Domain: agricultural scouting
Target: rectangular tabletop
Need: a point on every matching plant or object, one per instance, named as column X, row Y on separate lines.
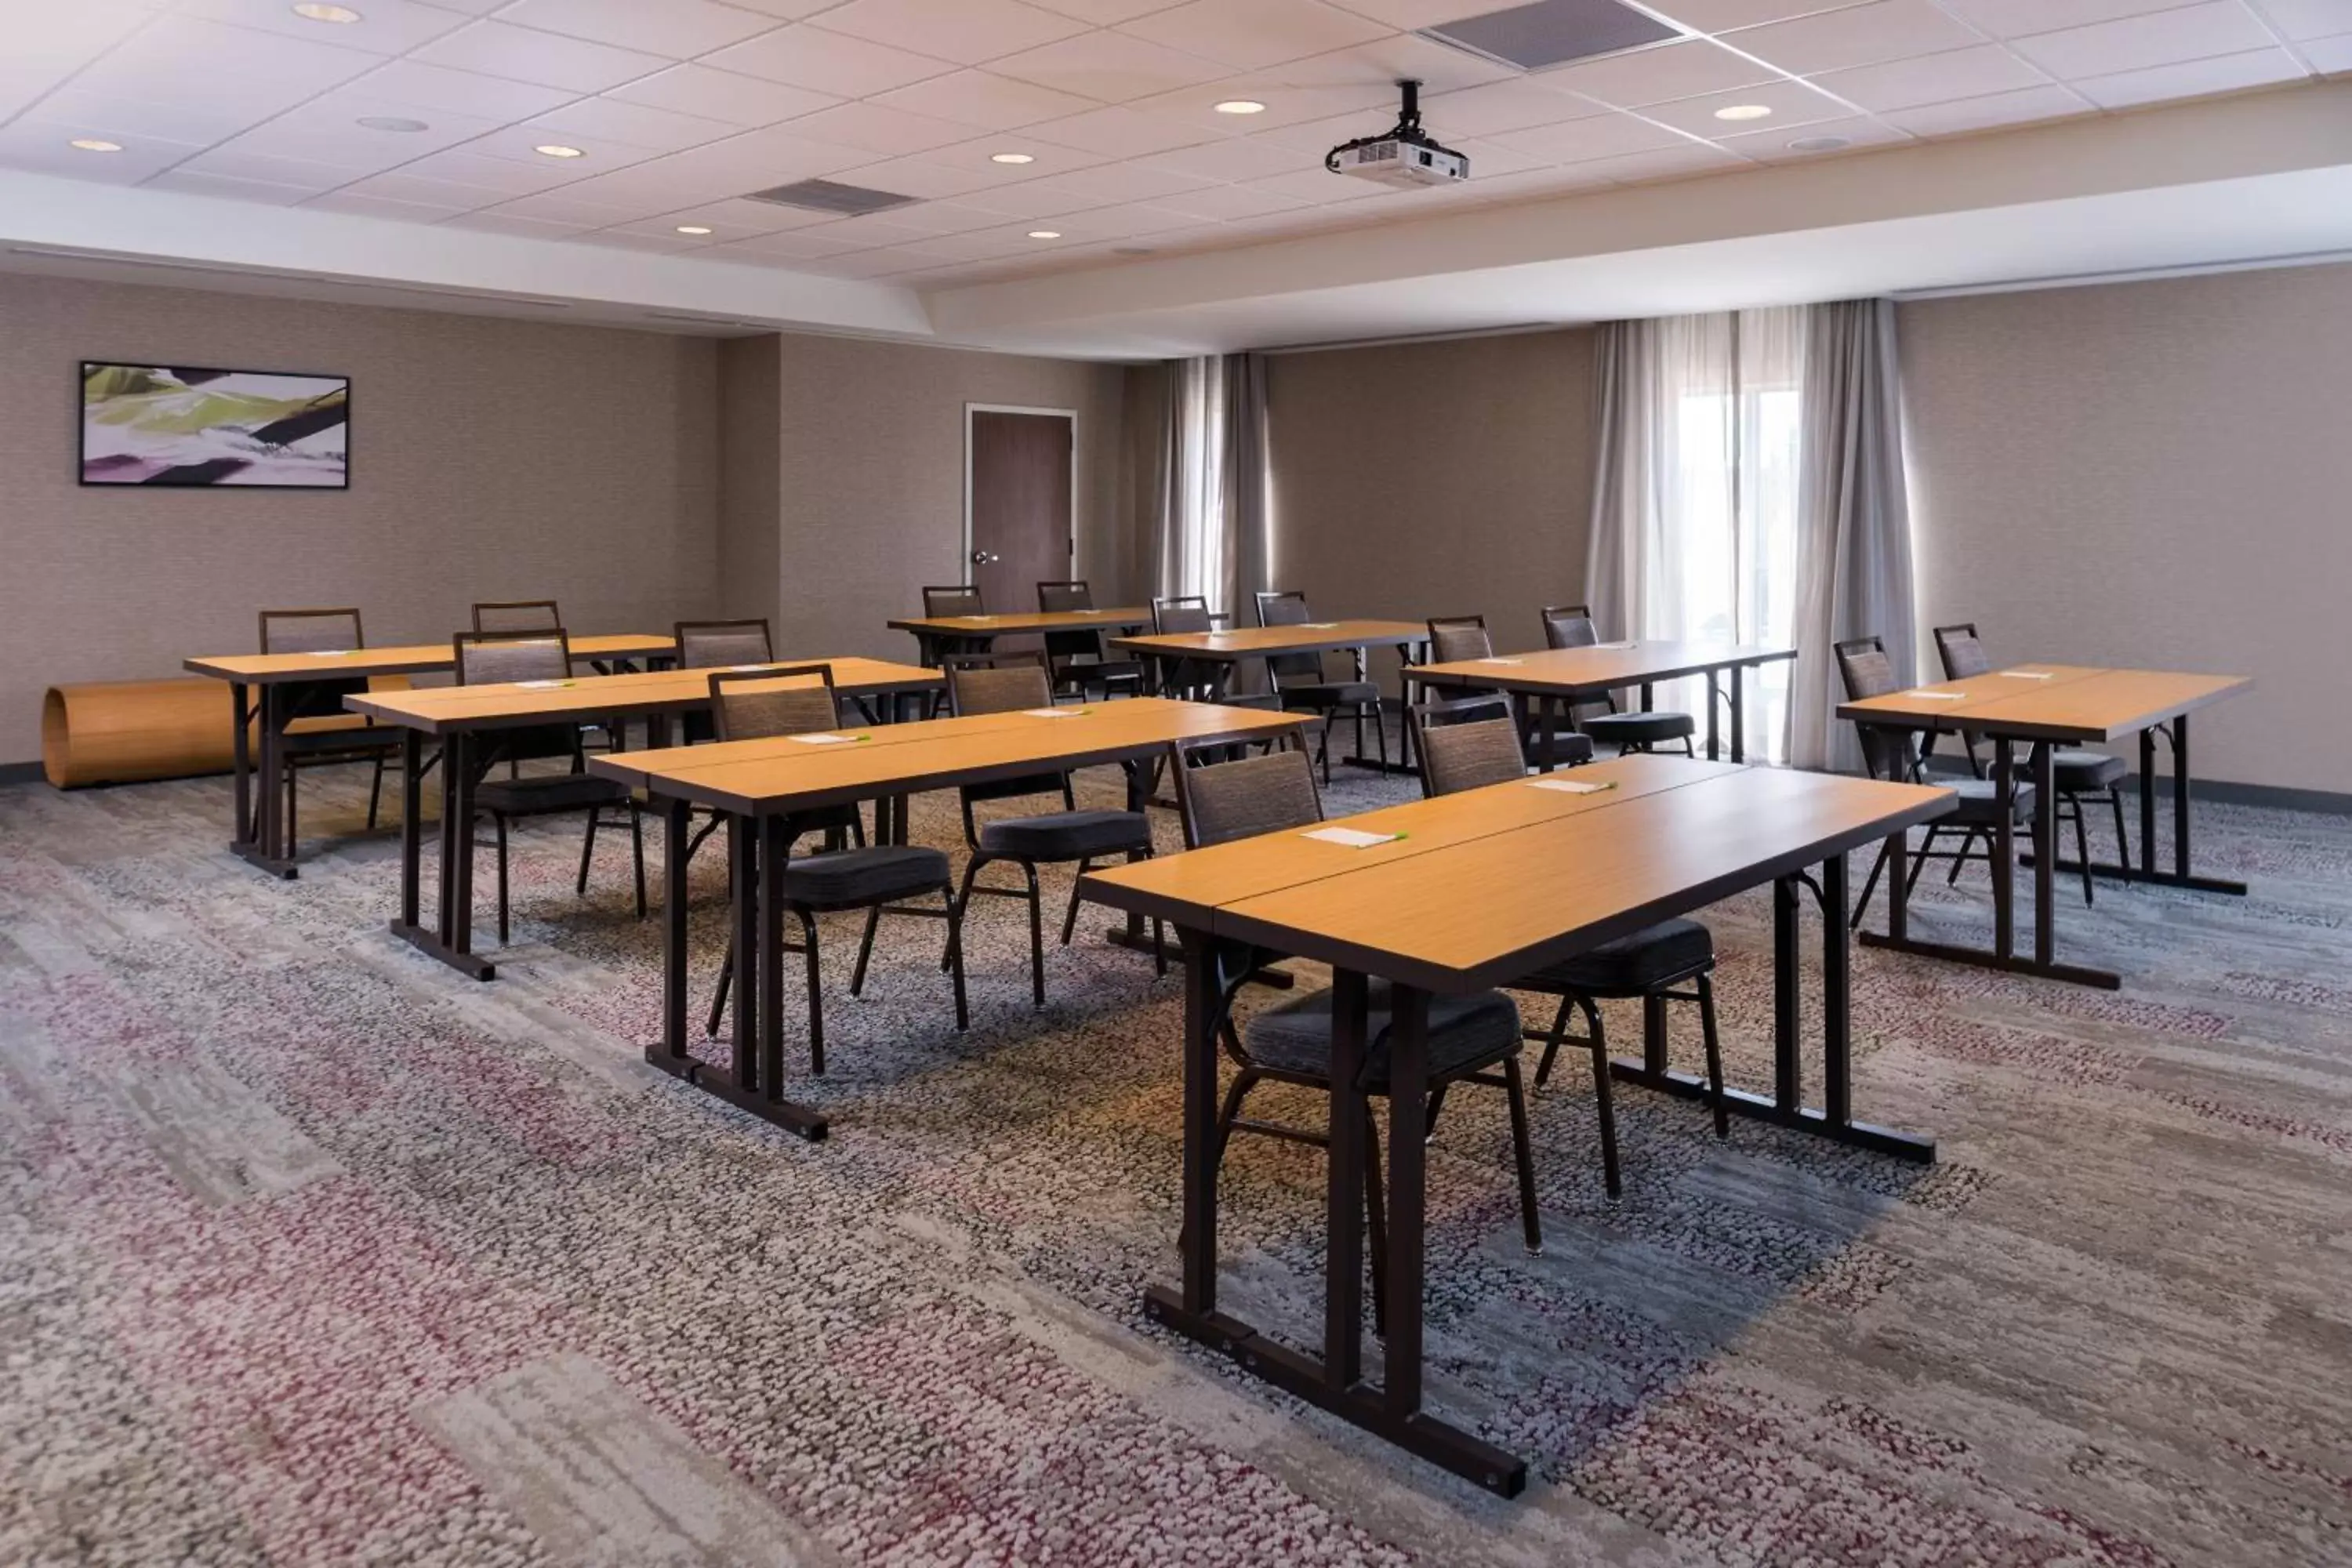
column 1569, row 671
column 512, row 705
column 1262, row 642
column 412, row 658
column 1022, row 621
column 2075, row 704
column 790, row 775
column 1488, row 906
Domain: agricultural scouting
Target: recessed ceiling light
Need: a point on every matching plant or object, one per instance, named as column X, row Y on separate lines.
column 1820, row 144
column 692, row 228
column 555, row 150
column 391, row 123
column 310, row 11
column 92, row 144
column 1744, row 111
column 1044, row 234
column 1010, row 158
column 1241, row 106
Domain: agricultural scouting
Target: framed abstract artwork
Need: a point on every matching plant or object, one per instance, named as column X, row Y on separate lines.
column 188, row 427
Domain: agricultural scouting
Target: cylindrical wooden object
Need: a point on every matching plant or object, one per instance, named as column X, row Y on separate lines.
column 127, row 731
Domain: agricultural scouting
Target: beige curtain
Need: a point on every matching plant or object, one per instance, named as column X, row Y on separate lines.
column 1245, row 488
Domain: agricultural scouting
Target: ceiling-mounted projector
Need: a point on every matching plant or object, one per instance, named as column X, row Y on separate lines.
column 1403, row 155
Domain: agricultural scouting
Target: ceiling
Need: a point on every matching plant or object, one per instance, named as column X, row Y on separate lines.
column 678, row 107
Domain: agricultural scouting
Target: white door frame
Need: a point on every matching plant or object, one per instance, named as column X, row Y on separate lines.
column 1070, row 550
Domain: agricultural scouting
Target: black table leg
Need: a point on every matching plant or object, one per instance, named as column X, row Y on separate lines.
column 1738, row 713
column 1714, row 733
column 670, row 1052
column 1343, row 1294
column 452, row 938
column 1788, row 982
column 266, row 846
column 2045, row 841
column 412, row 830
column 1393, row 1411
column 2004, row 849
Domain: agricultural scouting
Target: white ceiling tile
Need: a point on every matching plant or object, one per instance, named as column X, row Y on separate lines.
column 403, row 187
column 937, row 218
column 729, row 96
column 678, row 28
column 1254, row 33
column 1101, row 13
column 878, row 128
column 277, row 169
column 129, row 119
column 739, row 219
column 798, row 244
column 48, row 43
column 1405, row 16
column 2026, row 107
column 1387, row 61
column 562, row 207
column 1665, row 163
column 1112, row 184
column 1286, row 103
column 1138, row 218
column 1499, row 106
column 1722, row 16
column 1783, row 145
column 783, row 10
column 984, row 98
column 520, row 144
column 874, row 263
column 41, row 145
column 923, row 177
column 508, row 224
column 2306, row 20
column 1792, row 104
column 1978, row 72
column 327, row 130
column 594, row 119
column 966, row 31
column 1861, row 35
column 426, row 90
column 495, row 48
column 1232, row 162
column 1024, row 200
column 1224, row 203
column 977, row 156
column 2138, row 43
column 197, row 184
column 2330, row 55
column 1659, row 74
column 2191, row 78
column 189, row 61
column 381, row 206
column 2016, row 18
column 1119, row 132
column 827, row 62
column 1491, row 161
column 1578, row 141
column 622, row 240
column 386, row 27
column 502, row 175
column 1320, row 187
column 1109, row 66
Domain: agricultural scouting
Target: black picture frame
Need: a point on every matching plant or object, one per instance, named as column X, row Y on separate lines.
column 189, row 478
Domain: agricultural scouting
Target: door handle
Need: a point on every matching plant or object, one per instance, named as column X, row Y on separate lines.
column 983, row 558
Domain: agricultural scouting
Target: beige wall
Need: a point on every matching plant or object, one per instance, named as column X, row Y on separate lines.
column 491, row 459
column 2156, row 474
column 750, row 478
column 869, row 463
column 1435, row 479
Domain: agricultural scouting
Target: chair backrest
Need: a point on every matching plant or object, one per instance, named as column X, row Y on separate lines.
column 1963, row 654
column 1244, row 797
column 1569, row 625
column 1057, row 598
column 1288, row 608
column 998, row 683
column 962, row 599
column 1453, row 638
column 1467, row 743
column 1185, row 613
column 715, row 645
column 516, row 615
column 310, row 631
column 1865, row 669
column 783, row 699
column 487, row 659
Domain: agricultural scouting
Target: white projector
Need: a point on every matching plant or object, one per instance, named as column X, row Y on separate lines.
column 1402, row 156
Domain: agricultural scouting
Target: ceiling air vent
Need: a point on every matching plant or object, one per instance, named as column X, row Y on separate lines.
column 1553, row 32
column 829, row 196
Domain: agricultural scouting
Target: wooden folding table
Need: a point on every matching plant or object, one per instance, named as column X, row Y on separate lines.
column 1226, row 651
column 1556, row 680
column 2045, row 707
column 933, row 634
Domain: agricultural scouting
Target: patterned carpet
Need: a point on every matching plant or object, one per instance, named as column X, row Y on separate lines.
column 312, row 1252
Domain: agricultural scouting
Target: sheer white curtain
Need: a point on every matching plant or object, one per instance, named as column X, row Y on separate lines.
column 1695, row 527
column 1192, row 520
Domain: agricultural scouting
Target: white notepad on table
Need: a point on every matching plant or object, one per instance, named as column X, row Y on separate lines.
column 826, row 739
column 1352, row 838
column 1054, row 712
column 541, row 685
column 1493, row 660
column 1572, row 786
column 1939, row 696
column 2025, row 675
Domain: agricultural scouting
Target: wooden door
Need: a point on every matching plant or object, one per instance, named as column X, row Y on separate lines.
column 1020, row 505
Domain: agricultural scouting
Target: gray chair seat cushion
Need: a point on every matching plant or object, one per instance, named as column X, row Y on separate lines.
column 869, row 876
column 1067, row 835
column 1638, row 729
column 1632, row 965
column 1978, row 806
column 544, row 795
column 1466, row 1033
column 1330, row 694
column 2086, row 773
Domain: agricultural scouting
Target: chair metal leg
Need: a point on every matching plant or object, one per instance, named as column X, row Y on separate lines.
column 637, row 851
column 2082, row 846
column 1070, row 920
column 1522, row 1146
column 1552, row 1045
column 502, row 878
column 816, row 995
column 955, row 959
column 1037, row 935
column 1959, row 860
column 1870, row 885
column 1376, row 1212
column 864, row 951
column 963, row 898
column 1600, row 1097
column 1919, row 861
column 1714, row 1055
column 719, row 997
column 2123, row 843
column 375, row 791
column 588, row 849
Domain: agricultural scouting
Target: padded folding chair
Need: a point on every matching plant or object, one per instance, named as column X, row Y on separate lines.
column 2080, row 777
column 1472, row 743
column 798, row 699
column 1474, row 1038
column 1009, row 683
column 1075, row 657
column 1198, row 679
column 1570, row 626
column 1299, row 681
column 319, row 733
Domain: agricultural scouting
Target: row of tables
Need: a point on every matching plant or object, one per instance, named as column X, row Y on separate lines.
column 1476, row 890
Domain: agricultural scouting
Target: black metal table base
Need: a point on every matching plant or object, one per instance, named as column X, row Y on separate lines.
column 1305, row 1376
column 2101, row 868
column 1981, row 958
column 250, row 852
column 1141, row 942
column 429, row 942
column 1761, row 1108
column 793, row 1117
